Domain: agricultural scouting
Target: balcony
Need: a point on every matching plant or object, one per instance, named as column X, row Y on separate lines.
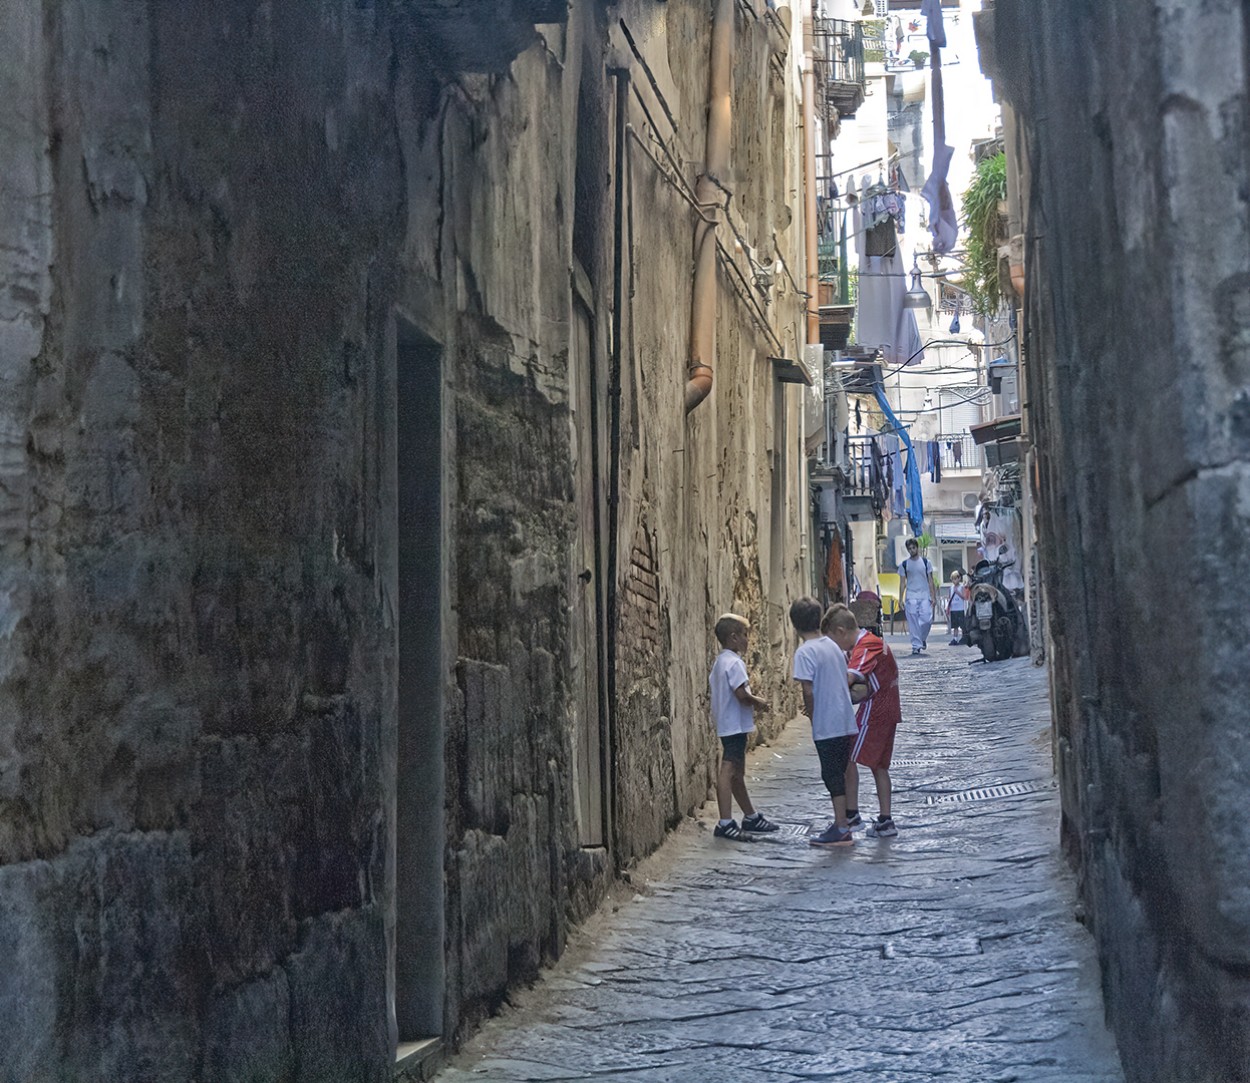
column 960, row 453
column 839, row 55
column 863, row 488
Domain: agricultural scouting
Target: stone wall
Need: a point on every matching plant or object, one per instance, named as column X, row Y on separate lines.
column 716, row 496
column 1138, row 236
column 192, row 851
column 230, row 218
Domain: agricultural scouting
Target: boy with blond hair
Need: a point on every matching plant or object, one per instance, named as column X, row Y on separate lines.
column 873, row 678
column 733, row 712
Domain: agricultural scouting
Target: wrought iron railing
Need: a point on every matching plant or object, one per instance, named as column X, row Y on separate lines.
column 839, row 57
column 865, row 472
column 960, row 452
column 840, row 45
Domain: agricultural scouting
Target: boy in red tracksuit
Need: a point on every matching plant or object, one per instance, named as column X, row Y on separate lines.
column 873, row 675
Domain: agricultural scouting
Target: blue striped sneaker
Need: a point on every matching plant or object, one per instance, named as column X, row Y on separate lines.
column 759, row 823
column 732, row 831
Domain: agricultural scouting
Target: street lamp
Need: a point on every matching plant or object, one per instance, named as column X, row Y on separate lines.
column 917, row 296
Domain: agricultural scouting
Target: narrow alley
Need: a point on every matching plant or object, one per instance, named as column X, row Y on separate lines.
column 396, row 398
column 952, row 951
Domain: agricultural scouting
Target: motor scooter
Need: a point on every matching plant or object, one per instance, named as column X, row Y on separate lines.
column 995, row 615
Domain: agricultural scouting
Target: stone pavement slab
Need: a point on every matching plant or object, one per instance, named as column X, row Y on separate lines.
column 949, row 952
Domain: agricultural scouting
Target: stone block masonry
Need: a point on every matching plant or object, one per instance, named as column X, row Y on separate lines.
column 1135, row 120
column 241, row 232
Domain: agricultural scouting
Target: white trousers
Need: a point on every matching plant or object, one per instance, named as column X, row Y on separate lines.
column 919, row 612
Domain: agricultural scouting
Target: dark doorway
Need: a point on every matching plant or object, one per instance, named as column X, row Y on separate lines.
column 586, row 640
column 419, row 828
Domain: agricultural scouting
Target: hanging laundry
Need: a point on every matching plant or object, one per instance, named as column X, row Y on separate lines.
column 957, row 453
column 880, row 472
column 936, row 449
column 943, row 219
column 881, row 318
column 935, row 28
column 859, row 417
column 880, row 205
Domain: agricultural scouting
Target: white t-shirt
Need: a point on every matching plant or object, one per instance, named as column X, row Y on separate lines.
column 918, row 572
column 729, row 672
column 822, row 662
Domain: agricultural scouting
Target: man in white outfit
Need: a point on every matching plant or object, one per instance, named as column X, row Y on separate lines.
column 917, row 594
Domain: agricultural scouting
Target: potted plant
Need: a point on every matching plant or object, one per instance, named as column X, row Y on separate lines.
column 986, row 231
column 918, row 57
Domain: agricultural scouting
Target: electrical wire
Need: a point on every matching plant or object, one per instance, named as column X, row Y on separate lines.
column 947, row 342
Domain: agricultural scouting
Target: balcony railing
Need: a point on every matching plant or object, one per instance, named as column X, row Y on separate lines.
column 839, row 53
column 960, row 452
column 865, row 474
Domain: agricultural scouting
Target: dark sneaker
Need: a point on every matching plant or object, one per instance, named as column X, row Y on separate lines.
column 882, row 828
column 833, row 836
column 854, row 823
column 759, row 823
column 732, row 831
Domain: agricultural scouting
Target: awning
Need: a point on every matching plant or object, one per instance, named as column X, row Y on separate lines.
column 1001, row 428
column 957, row 531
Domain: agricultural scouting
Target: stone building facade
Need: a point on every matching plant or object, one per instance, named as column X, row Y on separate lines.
column 1130, row 125
column 360, row 556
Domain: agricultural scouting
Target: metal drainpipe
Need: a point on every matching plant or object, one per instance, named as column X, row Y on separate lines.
column 709, row 197
column 809, row 182
column 813, row 276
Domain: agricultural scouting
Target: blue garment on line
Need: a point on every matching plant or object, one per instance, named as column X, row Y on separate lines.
column 911, row 469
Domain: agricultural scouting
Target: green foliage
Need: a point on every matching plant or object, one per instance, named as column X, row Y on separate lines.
column 984, row 235
column 918, row 57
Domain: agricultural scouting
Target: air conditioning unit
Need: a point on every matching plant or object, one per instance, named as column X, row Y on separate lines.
column 970, row 501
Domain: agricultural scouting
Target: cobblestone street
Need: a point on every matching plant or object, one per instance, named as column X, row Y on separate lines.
column 949, row 952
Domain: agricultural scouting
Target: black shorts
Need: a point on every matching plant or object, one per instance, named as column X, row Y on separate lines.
column 835, row 754
column 957, row 620
column 734, row 748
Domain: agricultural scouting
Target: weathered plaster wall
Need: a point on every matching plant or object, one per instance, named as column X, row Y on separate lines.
column 1138, row 269
column 700, row 494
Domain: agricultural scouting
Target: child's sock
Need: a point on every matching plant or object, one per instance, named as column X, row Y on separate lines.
column 851, row 813
column 724, row 823
column 881, row 818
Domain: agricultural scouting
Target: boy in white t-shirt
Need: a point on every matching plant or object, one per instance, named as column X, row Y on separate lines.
column 820, row 669
column 733, row 711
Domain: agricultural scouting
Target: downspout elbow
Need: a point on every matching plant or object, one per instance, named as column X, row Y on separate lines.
column 708, row 195
column 698, row 386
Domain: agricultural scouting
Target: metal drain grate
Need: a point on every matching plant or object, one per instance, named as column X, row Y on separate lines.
column 794, row 831
column 989, row 793
column 911, row 763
